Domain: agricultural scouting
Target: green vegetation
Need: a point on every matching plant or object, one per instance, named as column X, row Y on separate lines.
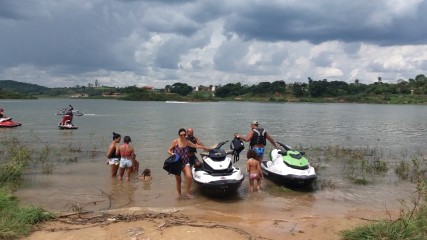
column 412, row 222
column 413, row 91
column 7, row 94
column 362, row 166
column 16, row 221
column 15, row 159
column 406, row 227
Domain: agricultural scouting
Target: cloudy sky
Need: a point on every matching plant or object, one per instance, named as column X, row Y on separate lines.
column 202, row 42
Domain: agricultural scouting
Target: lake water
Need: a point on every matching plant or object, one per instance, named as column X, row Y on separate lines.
column 153, row 125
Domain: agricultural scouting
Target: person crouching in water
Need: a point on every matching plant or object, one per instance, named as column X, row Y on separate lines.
column 146, row 175
column 113, row 159
column 127, row 156
column 253, row 167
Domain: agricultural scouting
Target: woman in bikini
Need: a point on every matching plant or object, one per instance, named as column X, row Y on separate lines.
column 253, row 167
column 181, row 146
column 113, row 159
column 127, row 157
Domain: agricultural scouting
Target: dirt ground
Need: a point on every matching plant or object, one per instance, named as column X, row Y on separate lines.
column 153, row 224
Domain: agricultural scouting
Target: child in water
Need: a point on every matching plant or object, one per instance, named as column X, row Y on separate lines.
column 253, row 167
column 146, row 175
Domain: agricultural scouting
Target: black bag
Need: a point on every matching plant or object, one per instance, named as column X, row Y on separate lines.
column 237, row 146
column 173, row 165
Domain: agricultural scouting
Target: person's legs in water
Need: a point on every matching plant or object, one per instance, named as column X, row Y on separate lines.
column 114, row 168
column 258, row 182
column 187, row 173
column 251, row 185
column 178, row 184
column 121, row 173
column 128, row 171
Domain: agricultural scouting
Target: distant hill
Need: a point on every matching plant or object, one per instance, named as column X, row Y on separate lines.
column 6, row 94
column 23, row 88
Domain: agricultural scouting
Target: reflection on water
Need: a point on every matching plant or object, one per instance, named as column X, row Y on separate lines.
column 153, row 125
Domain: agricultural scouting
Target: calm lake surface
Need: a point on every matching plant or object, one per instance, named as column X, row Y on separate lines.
column 153, row 125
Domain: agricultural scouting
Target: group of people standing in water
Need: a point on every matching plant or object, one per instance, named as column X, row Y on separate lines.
column 122, row 158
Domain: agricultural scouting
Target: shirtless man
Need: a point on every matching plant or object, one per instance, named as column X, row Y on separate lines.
column 253, row 167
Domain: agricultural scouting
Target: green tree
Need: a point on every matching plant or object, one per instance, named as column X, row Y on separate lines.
column 278, row 87
column 299, row 89
column 181, row 88
column 231, row 89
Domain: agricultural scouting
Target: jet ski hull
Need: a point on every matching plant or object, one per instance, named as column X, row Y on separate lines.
column 67, row 127
column 8, row 123
column 288, row 176
column 218, row 185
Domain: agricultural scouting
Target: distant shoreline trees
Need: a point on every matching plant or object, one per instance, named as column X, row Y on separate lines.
column 272, row 91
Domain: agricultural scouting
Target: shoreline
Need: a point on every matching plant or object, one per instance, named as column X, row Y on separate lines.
column 188, row 223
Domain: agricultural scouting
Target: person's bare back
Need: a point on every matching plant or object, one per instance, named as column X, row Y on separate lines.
column 253, row 167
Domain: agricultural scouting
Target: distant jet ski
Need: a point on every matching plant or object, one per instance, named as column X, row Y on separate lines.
column 8, row 123
column 65, row 110
column 66, row 123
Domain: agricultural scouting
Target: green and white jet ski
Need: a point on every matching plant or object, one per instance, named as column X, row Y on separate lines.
column 288, row 167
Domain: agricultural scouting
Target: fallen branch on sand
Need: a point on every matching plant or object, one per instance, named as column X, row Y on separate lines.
column 162, row 221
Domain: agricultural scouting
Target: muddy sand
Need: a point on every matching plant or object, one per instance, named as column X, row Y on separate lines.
column 190, row 223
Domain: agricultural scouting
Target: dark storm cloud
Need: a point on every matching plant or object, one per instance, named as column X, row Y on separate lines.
column 320, row 21
column 159, row 1
column 75, row 41
column 11, row 10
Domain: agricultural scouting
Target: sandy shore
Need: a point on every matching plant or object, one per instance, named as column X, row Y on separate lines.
column 147, row 223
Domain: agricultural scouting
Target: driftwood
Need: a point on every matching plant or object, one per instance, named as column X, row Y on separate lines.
column 162, row 221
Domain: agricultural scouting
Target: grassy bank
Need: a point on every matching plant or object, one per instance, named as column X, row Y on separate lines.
column 17, row 221
column 412, row 221
column 365, row 166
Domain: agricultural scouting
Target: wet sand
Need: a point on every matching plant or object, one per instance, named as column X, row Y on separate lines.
column 191, row 223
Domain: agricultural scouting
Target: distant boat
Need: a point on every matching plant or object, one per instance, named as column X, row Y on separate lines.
column 8, row 123
column 175, row 102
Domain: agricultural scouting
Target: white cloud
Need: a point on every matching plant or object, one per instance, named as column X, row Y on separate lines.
column 124, row 43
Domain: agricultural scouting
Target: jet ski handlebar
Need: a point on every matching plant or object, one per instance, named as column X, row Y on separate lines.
column 207, row 153
column 286, row 147
column 215, row 149
column 220, row 144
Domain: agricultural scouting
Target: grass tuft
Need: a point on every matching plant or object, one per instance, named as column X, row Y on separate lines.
column 18, row 221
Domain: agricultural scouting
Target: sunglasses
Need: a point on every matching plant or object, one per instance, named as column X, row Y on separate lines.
column 182, row 134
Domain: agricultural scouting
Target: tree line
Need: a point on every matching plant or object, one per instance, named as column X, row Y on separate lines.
column 304, row 90
column 325, row 88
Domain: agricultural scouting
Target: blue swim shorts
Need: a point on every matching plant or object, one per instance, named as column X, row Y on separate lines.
column 259, row 151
